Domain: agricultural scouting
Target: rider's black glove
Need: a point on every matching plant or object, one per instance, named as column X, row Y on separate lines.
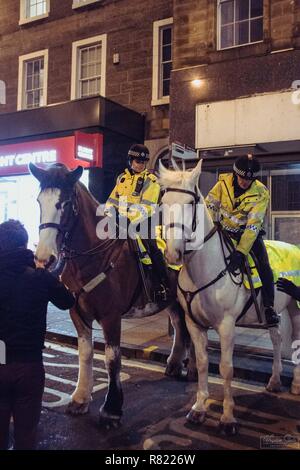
column 236, row 261
column 288, row 287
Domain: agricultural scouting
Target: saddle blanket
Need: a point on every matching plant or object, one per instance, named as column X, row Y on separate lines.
column 284, row 260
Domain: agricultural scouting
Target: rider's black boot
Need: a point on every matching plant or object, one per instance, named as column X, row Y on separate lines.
column 272, row 318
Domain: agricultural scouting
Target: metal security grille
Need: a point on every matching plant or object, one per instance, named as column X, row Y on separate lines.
column 240, row 22
column 165, row 60
column 286, row 192
column 35, row 8
column 34, row 83
column 89, row 70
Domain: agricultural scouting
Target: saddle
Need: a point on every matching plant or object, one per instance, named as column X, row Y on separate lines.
column 148, row 299
column 230, row 241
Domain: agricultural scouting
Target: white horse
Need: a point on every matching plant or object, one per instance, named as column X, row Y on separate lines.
column 220, row 304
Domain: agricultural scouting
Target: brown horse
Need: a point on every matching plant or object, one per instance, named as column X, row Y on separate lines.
column 108, row 272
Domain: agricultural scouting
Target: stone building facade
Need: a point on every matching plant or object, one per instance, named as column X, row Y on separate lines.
column 236, row 72
column 55, row 26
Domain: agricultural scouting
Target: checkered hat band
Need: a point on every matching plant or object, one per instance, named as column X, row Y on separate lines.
column 132, row 153
column 238, row 171
column 244, row 173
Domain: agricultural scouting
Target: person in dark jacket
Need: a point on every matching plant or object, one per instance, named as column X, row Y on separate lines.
column 288, row 287
column 24, row 294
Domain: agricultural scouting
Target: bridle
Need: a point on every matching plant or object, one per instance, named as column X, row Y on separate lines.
column 67, row 223
column 189, row 295
column 196, row 199
column 65, row 229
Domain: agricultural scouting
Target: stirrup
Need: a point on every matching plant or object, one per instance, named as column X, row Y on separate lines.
column 272, row 318
column 161, row 294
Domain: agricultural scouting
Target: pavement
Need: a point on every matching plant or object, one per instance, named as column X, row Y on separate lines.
column 151, row 338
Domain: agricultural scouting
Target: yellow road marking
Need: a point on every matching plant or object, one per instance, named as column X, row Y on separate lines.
column 148, row 351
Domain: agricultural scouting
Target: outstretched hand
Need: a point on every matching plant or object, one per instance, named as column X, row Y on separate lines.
column 288, row 287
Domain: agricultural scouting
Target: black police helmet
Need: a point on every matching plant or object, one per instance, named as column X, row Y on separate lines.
column 246, row 167
column 138, row 152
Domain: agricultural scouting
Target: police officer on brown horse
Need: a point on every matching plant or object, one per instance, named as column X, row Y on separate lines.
column 135, row 197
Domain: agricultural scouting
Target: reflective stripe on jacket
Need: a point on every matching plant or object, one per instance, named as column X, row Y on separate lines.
column 135, row 195
column 243, row 214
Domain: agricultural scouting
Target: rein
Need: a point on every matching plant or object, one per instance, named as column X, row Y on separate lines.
column 190, row 295
column 66, row 254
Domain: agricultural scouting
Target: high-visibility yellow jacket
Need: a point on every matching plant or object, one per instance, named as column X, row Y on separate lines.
column 244, row 214
column 135, row 195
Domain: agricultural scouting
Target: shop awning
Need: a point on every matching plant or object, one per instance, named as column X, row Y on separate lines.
column 96, row 113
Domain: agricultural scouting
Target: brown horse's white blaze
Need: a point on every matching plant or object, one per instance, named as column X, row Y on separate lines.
column 51, row 212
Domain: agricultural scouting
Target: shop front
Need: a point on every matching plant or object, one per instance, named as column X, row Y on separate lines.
column 267, row 126
column 85, row 132
column 19, row 190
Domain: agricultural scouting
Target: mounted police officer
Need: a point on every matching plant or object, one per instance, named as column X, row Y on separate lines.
column 135, row 197
column 239, row 202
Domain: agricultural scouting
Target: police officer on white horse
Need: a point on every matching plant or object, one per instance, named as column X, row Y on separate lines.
column 239, row 202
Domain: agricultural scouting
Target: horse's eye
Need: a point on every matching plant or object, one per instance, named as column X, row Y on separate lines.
column 58, row 205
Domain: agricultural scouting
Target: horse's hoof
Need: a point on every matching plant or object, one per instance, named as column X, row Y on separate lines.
column 196, row 417
column 273, row 387
column 75, row 408
column 174, row 369
column 228, row 429
column 192, row 374
column 109, row 421
column 295, row 389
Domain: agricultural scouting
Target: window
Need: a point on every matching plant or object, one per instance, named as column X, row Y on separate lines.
column 32, row 10
column 88, row 67
column 162, row 61
column 33, row 76
column 240, row 22
column 82, row 3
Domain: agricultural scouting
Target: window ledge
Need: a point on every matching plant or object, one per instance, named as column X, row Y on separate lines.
column 239, row 45
column 83, row 4
column 32, row 19
column 158, row 101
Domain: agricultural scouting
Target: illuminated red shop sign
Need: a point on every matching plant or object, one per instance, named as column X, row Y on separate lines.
column 80, row 149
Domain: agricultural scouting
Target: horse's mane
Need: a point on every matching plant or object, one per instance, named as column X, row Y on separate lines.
column 82, row 189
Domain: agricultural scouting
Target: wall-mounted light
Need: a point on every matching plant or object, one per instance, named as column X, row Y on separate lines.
column 116, row 58
column 197, row 83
